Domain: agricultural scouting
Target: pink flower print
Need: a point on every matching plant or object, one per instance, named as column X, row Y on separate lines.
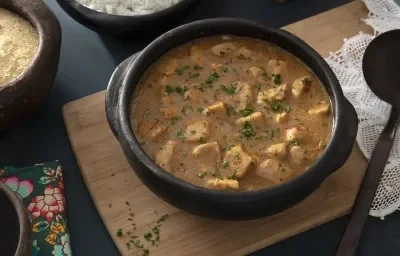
column 23, row 188
column 48, row 205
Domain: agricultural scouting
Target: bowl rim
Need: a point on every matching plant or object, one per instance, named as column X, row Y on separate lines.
column 31, row 17
column 84, row 10
column 25, row 233
column 131, row 146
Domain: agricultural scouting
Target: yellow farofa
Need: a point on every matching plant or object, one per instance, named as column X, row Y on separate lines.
column 19, row 43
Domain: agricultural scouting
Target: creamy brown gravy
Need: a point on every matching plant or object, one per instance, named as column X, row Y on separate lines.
column 188, row 113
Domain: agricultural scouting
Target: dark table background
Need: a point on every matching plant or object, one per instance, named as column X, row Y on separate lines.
column 88, row 60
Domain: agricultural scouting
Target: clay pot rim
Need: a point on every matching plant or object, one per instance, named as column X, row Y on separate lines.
column 25, row 233
column 29, row 13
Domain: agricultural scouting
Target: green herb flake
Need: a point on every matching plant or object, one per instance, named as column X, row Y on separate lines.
column 224, row 69
column 156, row 230
column 169, row 89
column 201, row 109
column 119, row 232
column 257, row 86
column 146, row 252
column 128, row 245
column 276, row 78
column 229, row 147
column 222, row 53
column 229, row 90
column 148, row 236
column 197, row 67
column 283, row 170
column 233, row 176
column 164, row 217
column 247, row 130
column 181, row 135
column 277, row 106
column 201, row 175
column 248, row 110
column 194, row 75
column 324, row 124
column 225, row 164
column 296, row 142
column 202, row 140
column 180, row 70
column 306, row 81
column 193, row 132
column 236, row 155
column 214, row 76
column 146, row 113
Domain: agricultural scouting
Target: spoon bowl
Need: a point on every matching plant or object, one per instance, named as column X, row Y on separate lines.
column 381, row 64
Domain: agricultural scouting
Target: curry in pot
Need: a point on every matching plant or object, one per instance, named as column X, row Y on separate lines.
column 231, row 113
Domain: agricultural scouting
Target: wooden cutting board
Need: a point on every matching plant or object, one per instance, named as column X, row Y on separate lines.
column 117, row 192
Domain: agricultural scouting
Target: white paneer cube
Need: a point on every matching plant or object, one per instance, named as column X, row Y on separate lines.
column 277, row 150
column 297, row 88
column 239, row 161
column 197, row 131
column 245, row 94
column 255, row 118
column 218, row 110
column 152, row 129
column 274, row 171
column 281, row 117
column 293, row 134
column 276, row 66
column 322, row 108
column 208, row 156
column 297, row 154
column 269, row 96
column 164, row 156
column 223, row 49
column 223, row 184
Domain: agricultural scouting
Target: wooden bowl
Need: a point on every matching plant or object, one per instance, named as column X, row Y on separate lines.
column 21, row 96
column 128, row 26
column 15, row 227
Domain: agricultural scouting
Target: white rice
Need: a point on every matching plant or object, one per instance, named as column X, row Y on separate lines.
column 128, row 7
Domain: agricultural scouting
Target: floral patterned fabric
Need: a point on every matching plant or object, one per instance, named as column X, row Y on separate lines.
column 41, row 188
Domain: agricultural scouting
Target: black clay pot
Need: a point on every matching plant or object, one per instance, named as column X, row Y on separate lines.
column 223, row 204
column 128, row 26
column 15, row 227
column 21, row 96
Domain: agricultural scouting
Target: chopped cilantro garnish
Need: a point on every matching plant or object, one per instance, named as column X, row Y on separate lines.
column 180, row 70
column 181, row 135
column 229, row 90
column 147, row 236
column 119, row 232
column 212, row 78
column 203, row 140
column 156, row 230
column 222, row 53
column 197, row 67
column 257, row 86
column 201, row 109
column 247, row 130
column 233, row 176
column 146, row 113
column 248, row 110
column 169, row 89
column 296, row 142
column 202, row 174
column 276, row 78
column 229, row 147
column 224, row 69
column 225, row 164
column 164, row 217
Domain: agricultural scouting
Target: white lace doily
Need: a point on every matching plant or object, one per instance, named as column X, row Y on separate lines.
column 373, row 113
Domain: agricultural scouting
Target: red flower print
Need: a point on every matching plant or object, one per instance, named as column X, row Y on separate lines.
column 48, row 205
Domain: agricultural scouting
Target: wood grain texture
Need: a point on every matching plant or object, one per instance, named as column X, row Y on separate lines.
column 112, row 183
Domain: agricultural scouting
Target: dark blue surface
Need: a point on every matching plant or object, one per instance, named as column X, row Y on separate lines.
column 87, row 61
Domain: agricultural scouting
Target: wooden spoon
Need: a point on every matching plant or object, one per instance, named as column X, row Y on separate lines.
column 381, row 68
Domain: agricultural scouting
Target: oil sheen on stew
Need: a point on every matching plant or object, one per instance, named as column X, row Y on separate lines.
column 231, row 113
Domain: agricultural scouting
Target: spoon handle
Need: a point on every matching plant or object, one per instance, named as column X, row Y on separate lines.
column 366, row 194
